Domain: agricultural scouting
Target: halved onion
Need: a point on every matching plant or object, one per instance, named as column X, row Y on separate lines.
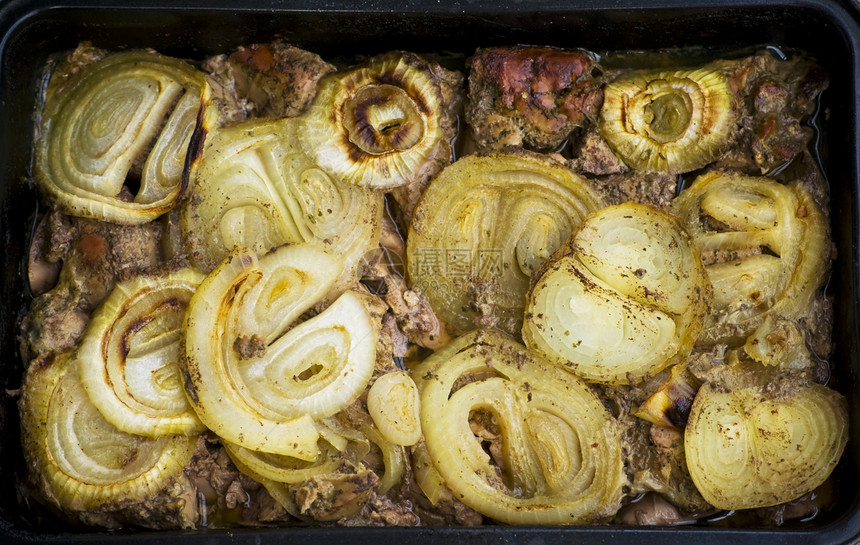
column 560, row 459
column 128, row 359
column 626, row 297
column 81, row 461
column 673, row 121
column 97, row 127
column 483, row 226
column 382, row 125
column 747, row 447
column 254, row 382
column 782, row 239
column 253, row 187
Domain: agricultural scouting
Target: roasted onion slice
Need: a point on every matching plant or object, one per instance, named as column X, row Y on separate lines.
column 558, row 459
column 382, row 125
column 285, row 469
column 747, row 447
column 626, row 297
column 253, row 187
column 128, row 359
column 777, row 242
column 394, row 406
column 81, row 461
column 254, row 382
column 673, row 121
column 126, row 108
column 483, row 226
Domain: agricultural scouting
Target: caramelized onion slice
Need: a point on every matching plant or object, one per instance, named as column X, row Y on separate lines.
column 560, row 460
column 128, row 359
column 253, row 382
column 748, row 448
column 673, row 121
column 626, row 297
column 253, row 187
column 82, row 461
column 781, row 242
column 383, row 125
column 484, row 225
column 113, row 112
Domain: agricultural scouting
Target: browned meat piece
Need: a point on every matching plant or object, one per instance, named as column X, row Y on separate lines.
column 803, row 507
column 656, row 462
column 414, row 317
column 69, row 65
column 818, row 322
column 532, row 96
column 331, row 497
column 382, row 511
column 216, row 493
column 447, row 511
column 391, row 347
column 778, row 98
column 93, row 256
column 265, row 80
column 655, row 188
column 594, row 156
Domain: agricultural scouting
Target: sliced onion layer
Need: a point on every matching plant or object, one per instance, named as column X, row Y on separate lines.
column 673, row 121
column 103, row 121
column 84, row 462
column 625, row 298
column 393, row 404
column 781, row 239
column 253, row 187
column 383, row 125
column 257, row 383
column 559, row 457
column 128, row 359
column 484, row 225
column 748, row 448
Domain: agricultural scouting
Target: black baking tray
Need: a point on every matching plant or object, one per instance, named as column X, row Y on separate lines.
column 829, row 30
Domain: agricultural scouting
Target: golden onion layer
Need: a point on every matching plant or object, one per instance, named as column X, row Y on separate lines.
column 83, row 462
column 775, row 239
column 672, row 121
column 128, row 358
column 113, row 111
column 560, row 458
column 252, row 378
column 484, row 225
column 625, row 298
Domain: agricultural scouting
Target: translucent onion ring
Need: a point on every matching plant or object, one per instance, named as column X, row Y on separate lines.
column 381, row 125
column 483, row 226
column 96, row 127
column 625, row 298
column 128, row 358
column 673, row 121
column 253, row 187
column 746, row 448
column 561, row 448
column 83, row 462
column 758, row 213
column 254, row 382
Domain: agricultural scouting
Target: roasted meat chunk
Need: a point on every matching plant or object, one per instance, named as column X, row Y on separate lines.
column 532, row 96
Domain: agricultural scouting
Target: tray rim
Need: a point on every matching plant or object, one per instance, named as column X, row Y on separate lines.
column 845, row 16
